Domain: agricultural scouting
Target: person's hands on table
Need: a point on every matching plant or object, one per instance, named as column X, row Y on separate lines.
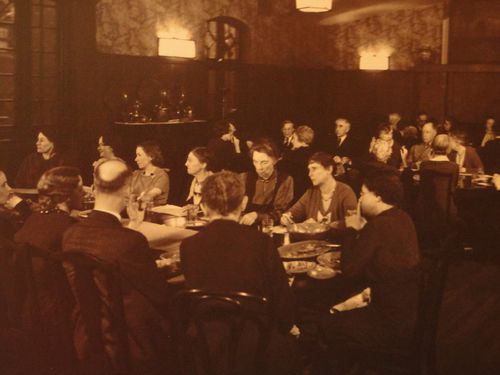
column 249, row 218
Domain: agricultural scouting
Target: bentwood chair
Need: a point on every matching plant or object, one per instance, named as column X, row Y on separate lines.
column 96, row 288
column 221, row 333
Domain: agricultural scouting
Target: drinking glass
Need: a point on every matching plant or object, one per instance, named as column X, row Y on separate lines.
column 267, row 226
column 192, row 213
column 135, row 211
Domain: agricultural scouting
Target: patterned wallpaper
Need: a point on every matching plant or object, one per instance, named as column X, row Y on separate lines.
column 402, row 33
column 278, row 37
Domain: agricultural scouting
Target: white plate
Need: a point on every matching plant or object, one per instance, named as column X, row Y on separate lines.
column 321, row 273
column 331, row 259
column 298, row 266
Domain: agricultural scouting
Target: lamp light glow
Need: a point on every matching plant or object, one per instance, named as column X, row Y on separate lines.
column 374, row 62
column 174, row 47
column 313, row 6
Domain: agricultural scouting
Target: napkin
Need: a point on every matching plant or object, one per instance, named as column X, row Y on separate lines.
column 358, row 301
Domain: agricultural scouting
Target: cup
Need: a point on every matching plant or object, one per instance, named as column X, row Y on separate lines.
column 267, row 225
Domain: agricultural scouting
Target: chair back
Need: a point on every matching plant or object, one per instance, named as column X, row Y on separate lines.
column 96, row 287
column 433, row 276
column 437, row 190
column 222, row 333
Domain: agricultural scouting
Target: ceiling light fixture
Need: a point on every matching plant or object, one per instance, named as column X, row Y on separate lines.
column 313, row 6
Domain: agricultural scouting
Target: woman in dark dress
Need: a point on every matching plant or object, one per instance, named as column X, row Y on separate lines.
column 226, row 147
column 295, row 161
column 199, row 165
column 35, row 164
column 60, row 191
column 227, row 256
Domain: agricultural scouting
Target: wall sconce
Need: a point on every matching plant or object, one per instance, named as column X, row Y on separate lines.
column 313, row 6
column 373, row 61
column 173, row 47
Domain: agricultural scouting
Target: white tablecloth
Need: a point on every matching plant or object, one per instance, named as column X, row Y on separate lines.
column 163, row 238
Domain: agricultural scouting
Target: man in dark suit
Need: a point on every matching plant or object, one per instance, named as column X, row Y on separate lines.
column 144, row 291
column 287, row 129
column 345, row 148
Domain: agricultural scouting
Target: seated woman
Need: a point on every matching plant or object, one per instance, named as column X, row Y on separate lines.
column 199, row 166
column 294, row 161
column 108, row 147
column 465, row 156
column 227, row 257
column 13, row 209
column 385, row 134
column 35, row 164
column 150, row 182
column 269, row 190
column 225, row 147
column 327, row 201
column 60, row 191
column 384, row 256
column 380, row 154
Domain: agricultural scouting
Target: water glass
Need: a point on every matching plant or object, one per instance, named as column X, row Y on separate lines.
column 267, row 226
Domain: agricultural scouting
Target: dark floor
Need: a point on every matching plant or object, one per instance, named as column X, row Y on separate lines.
column 469, row 331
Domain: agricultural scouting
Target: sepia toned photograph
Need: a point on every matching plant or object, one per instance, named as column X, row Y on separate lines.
column 249, row 187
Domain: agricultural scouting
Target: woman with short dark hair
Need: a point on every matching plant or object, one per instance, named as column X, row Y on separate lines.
column 150, row 182
column 327, row 200
column 45, row 158
column 225, row 146
column 60, row 191
column 229, row 257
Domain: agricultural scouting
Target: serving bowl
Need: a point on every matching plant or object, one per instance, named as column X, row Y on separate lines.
column 308, row 231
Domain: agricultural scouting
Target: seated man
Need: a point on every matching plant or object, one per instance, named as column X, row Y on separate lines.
column 465, row 156
column 384, row 256
column 420, row 152
column 145, row 296
column 327, row 201
column 269, row 190
column 228, row 256
column 13, row 210
column 288, row 130
column 345, row 148
column 385, row 133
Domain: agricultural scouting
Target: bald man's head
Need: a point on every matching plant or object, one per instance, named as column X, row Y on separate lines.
column 110, row 176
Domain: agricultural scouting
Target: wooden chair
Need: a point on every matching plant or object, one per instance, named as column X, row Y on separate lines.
column 96, row 288
column 214, row 328
column 47, row 335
